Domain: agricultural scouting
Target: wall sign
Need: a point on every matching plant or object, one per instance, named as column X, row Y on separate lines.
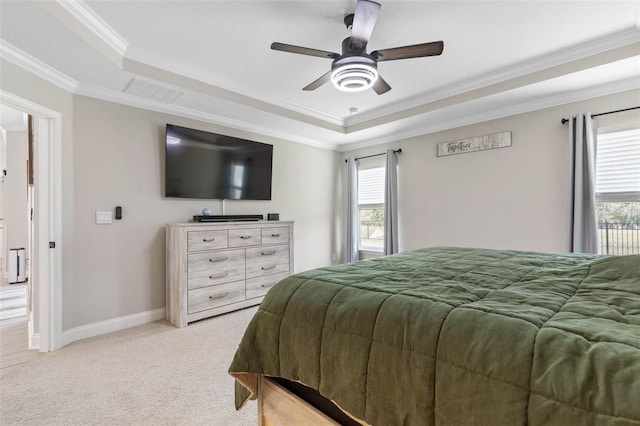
column 479, row 143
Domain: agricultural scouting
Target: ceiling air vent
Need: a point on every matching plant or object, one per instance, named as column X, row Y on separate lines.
column 152, row 91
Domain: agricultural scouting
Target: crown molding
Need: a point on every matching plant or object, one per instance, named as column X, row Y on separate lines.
column 100, row 29
column 560, row 57
column 37, row 67
column 44, row 71
column 147, row 104
column 87, row 17
column 503, row 112
column 246, row 97
column 51, row 75
column 158, row 68
column 79, row 18
column 91, row 20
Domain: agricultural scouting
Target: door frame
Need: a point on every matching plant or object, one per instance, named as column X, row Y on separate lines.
column 46, row 268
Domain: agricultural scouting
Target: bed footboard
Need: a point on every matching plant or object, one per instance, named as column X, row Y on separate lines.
column 278, row 406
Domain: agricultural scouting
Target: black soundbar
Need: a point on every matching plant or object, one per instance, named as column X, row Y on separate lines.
column 229, row 218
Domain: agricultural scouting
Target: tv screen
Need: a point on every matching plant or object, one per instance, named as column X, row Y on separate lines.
column 201, row 164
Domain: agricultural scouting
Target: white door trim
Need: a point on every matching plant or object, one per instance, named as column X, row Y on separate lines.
column 47, row 270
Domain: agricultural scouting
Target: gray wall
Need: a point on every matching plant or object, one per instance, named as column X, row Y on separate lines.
column 513, row 198
column 113, row 155
column 119, row 269
column 16, row 81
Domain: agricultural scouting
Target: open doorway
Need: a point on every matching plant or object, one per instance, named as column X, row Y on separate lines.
column 16, row 254
column 44, row 223
column 16, row 197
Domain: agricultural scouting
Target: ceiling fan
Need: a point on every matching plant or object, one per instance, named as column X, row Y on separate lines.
column 355, row 69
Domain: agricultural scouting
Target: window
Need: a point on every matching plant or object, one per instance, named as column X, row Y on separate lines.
column 371, row 206
column 618, row 192
column 237, row 180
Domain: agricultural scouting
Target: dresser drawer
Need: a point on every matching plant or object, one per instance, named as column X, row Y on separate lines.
column 206, row 240
column 259, row 255
column 267, row 260
column 245, row 237
column 218, row 295
column 217, row 277
column 258, row 287
column 218, row 267
column 275, row 235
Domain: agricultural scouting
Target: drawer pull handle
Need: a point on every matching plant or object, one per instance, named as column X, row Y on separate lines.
column 219, row 296
column 208, row 240
column 215, row 277
column 219, row 259
column 245, row 237
column 268, row 253
column 266, row 268
column 275, row 235
column 268, row 285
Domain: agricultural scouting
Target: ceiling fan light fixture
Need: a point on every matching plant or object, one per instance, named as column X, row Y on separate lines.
column 354, row 69
column 354, row 76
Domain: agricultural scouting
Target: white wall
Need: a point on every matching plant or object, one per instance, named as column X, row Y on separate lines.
column 512, row 198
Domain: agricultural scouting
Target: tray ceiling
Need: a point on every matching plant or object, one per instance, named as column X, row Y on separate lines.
column 212, row 60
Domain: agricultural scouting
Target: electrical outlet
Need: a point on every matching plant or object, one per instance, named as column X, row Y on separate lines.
column 104, row 217
column 334, row 257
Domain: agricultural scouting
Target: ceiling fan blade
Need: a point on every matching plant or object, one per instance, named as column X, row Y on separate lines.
column 381, row 86
column 303, row 50
column 364, row 19
column 415, row 51
column 319, row 82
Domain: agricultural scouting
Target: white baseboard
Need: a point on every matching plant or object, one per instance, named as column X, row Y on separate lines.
column 108, row 326
column 34, row 341
column 34, row 338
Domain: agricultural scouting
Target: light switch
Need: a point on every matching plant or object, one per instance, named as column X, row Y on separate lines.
column 103, row 218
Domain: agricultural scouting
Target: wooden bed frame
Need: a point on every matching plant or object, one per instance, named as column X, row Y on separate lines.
column 285, row 403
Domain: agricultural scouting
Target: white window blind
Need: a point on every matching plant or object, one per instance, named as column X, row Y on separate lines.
column 618, row 166
column 371, row 186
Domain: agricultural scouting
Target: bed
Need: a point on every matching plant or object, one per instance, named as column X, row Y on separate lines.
column 450, row 335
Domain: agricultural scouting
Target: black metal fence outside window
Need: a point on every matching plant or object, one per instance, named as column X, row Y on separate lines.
column 372, row 230
column 619, row 238
column 371, row 235
column 614, row 237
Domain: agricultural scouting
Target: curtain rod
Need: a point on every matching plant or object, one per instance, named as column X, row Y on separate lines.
column 397, row 151
column 566, row 120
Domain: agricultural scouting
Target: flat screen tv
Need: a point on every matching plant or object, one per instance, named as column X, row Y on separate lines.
column 201, row 164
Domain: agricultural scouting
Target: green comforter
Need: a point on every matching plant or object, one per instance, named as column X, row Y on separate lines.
column 457, row 336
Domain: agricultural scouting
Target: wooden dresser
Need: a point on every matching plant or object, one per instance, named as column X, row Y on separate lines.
column 214, row 268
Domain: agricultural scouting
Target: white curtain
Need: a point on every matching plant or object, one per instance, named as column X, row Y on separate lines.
column 583, row 227
column 353, row 228
column 391, row 204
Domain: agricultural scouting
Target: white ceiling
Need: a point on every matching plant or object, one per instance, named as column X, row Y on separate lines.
column 211, row 60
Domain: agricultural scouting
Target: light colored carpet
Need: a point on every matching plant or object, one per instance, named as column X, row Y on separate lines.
column 154, row 374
